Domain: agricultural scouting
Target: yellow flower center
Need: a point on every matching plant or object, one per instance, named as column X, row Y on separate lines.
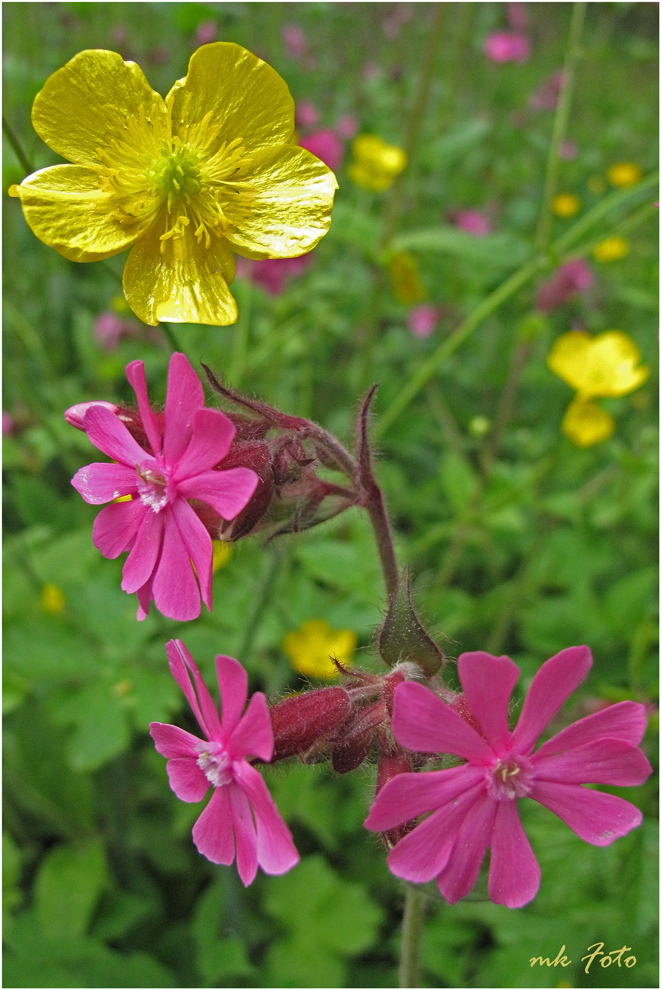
column 175, row 174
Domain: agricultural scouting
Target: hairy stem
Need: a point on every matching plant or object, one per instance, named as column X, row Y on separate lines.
column 409, row 963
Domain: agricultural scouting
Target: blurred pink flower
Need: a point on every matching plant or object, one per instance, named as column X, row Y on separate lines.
column 422, row 320
column 505, row 46
column 296, row 45
column 471, row 221
column 205, row 33
column 517, row 16
column 7, row 423
column 545, row 97
column 109, row 328
column 570, row 279
column 273, row 274
column 346, row 127
column 326, row 146
column 159, row 527
column 307, row 114
column 474, row 805
column 568, row 150
column 219, row 760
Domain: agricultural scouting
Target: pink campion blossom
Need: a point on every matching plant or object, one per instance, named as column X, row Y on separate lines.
column 568, row 150
column 7, row 423
column 205, row 33
column 75, row 415
column 471, row 221
column 296, row 45
column 422, row 320
column 570, row 279
column 474, row 806
column 158, row 525
column 273, row 274
column 326, row 146
column 545, row 97
column 346, row 127
column 307, row 114
column 109, row 328
column 241, row 816
column 505, row 46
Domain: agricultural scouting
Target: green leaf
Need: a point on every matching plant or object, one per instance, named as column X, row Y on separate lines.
column 496, row 250
column 458, row 480
column 353, row 226
column 47, row 649
column 102, row 727
column 74, row 876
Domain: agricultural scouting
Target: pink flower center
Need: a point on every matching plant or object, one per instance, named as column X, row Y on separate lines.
column 510, row 778
column 215, row 763
column 154, row 484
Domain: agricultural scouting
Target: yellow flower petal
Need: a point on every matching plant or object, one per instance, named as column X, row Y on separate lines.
column 568, row 355
column 84, row 106
column 606, row 365
column 624, row 174
column 64, row 206
column 311, row 647
column 286, row 210
column 585, row 423
column 566, row 204
column 185, row 283
column 376, row 164
column 245, row 97
column 612, row 249
column 405, row 279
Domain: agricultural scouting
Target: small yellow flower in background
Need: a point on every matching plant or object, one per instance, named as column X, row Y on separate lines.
column 566, row 204
column 222, row 552
column 119, row 305
column 311, row 646
column 596, row 185
column 586, row 423
column 376, row 164
column 407, row 285
column 183, row 181
column 52, row 599
column 612, row 249
column 624, row 174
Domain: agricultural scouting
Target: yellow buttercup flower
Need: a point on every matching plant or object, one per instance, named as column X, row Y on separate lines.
column 566, row 204
column 312, row 646
column 184, row 181
column 407, row 286
column 612, row 249
column 52, row 599
column 586, row 423
column 376, row 164
column 605, row 366
column 624, row 174
column 222, row 552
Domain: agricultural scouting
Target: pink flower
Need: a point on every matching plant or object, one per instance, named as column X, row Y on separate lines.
column 474, row 806
column 568, row 150
column 346, row 127
column 205, row 33
column 517, row 16
column 7, row 423
column 158, row 525
column 570, row 279
column 294, row 38
column 272, row 274
column 109, row 330
column 307, row 114
column 241, row 812
column 505, row 46
column 326, row 146
column 472, row 222
column 422, row 320
column 546, row 96
column 75, row 415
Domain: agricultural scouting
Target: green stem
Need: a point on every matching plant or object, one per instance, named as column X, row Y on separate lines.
column 409, row 962
column 14, row 141
column 172, row 338
column 560, row 123
column 598, row 212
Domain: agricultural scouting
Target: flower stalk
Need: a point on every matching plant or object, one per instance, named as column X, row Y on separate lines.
column 409, row 963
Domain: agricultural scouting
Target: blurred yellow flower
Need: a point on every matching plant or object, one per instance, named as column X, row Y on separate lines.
column 596, row 185
column 607, row 365
column 118, row 304
column 311, row 646
column 612, row 249
column 566, row 204
column 407, row 286
column 222, row 552
column 624, row 174
column 586, row 423
column 52, row 599
column 376, row 164
column 183, row 181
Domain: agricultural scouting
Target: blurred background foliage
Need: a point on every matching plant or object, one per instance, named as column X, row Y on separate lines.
column 519, row 541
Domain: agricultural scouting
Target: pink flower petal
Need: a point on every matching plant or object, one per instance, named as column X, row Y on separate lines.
column 253, row 735
column 102, row 482
column 225, row 491
column 423, row 723
column 75, row 415
column 514, row 872
column 198, row 544
column 625, row 720
column 233, row 684
column 145, row 596
column 140, row 563
column 111, row 436
column 213, row 833
column 173, row 742
column 187, row 780
column 246, row 836
column 596, row 817
column 135, row 372
column 603, row 761
column 204, row 710
column 276, row 852
column 552, row 684
column 411, row 794
column 472, row 842
column 488, row 682
column 176, row 593
column 184, row 397
column 115, row 527
column 212, row 435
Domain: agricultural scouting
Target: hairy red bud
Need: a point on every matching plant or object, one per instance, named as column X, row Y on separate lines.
column 301, row 720
column 460, row 705
column 389, row 685
column 392, row 766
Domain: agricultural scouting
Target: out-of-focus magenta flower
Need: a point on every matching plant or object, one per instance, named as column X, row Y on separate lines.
column 295, row 41
column 570, row 279
column 471, row 221
column 109, row 328
column 505, row 46
column 517, row 16
column 273, row 274
column 346, row 127
column 158, row 526
column 422, row 320
column 326, row 146
column 219, row 760
column 75, row 415
column 7, row 423
column 205, row 33
column 546, row 96
column 307, row 114
column 474, row 806
column 568, row 150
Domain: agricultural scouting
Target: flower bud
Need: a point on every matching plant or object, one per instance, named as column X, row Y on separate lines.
column 75, row 415
column 300, row 721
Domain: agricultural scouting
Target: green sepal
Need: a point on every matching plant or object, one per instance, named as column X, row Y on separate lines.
column 403, row 637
